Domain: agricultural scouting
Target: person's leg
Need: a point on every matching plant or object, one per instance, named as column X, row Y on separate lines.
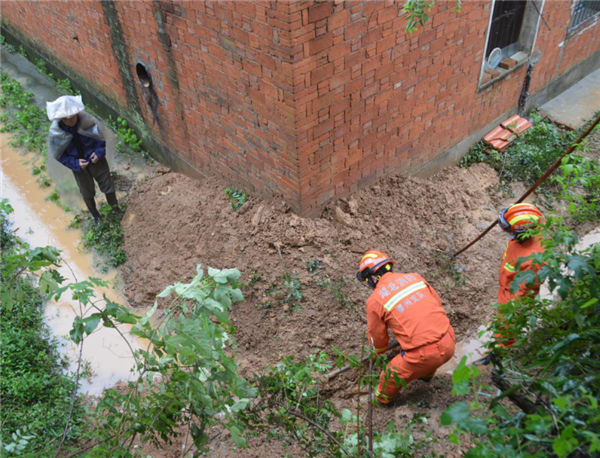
column 500, row 335
column 86, row 186
column 101, row 173
column 397, row 374
column 417, row 364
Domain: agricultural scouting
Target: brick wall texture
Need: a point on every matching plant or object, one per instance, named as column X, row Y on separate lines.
column 303, row 99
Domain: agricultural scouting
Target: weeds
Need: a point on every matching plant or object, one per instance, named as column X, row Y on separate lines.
column 447, row 267
column 35, row 390
column 313, row 266
column 237, row 197
column 55, row 198
column 22, row 51
column 528, row 157
column 8, row 47
column 105, row 237
column 255, row 276
column 293, row 288
column 337, row 288
column 290, row 292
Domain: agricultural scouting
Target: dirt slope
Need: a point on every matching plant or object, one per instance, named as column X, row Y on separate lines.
column 173, row 223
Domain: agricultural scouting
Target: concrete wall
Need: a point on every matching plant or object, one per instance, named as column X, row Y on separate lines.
column 308, row 100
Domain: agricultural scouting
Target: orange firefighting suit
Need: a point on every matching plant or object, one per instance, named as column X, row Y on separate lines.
column 412, row 309
column 508, row 271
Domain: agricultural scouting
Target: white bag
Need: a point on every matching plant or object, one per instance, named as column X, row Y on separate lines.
column 64, row 107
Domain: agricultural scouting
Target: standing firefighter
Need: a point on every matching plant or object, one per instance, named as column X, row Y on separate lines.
column 411, row 308
column 516, row 221
column 77, row 143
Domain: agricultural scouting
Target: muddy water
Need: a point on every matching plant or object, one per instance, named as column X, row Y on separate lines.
column 42, row 223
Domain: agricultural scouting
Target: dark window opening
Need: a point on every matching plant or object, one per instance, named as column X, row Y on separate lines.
column 584, row 10
column 505, row 28
column 143, row 75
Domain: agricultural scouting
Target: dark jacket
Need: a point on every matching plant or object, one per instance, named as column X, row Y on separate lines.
column 70, row 157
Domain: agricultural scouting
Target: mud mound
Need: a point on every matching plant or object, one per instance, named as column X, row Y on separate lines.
column 174, row 223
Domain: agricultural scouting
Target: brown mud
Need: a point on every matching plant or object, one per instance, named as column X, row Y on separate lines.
column 173, row 223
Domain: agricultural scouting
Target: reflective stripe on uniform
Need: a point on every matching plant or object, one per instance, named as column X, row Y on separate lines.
column 403, row 293
column 510, row 268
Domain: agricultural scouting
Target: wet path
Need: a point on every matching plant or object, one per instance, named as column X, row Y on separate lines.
column 42, row 223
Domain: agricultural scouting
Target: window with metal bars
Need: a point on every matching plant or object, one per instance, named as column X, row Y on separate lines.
column 582, row 11
column 505, row 27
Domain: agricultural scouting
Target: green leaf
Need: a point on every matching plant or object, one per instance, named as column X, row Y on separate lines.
column 237, row 437
column 91, row 322
column 462, row 376
column 459, row 413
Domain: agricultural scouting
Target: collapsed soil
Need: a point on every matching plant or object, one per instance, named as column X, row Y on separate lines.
column 173, row 223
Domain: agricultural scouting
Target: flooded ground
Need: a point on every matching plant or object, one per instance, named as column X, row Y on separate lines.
column 42, row 223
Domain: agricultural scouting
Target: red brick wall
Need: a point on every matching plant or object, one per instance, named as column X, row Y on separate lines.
column 310, row 100
column 372, row 100
column 224, row 84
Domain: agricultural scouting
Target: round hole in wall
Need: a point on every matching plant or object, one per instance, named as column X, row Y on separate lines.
column 143, row 75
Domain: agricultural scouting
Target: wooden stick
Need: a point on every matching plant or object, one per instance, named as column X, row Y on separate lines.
column 539, row 182
column 349, row 366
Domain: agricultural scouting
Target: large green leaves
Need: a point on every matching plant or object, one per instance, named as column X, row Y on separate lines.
column 459, row 414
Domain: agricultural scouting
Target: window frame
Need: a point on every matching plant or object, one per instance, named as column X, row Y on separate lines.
column 531, row 15
column 574, row 28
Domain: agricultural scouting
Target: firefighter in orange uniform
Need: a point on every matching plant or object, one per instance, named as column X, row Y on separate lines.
column 412, row 309
column 516, row 221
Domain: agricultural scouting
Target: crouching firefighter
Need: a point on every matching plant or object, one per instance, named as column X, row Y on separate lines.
column 76, row 142
column 412, row 309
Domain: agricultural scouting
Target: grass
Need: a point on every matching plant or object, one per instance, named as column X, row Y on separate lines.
column 35, row 389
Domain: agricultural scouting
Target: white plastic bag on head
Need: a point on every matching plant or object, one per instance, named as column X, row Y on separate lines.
column 64, row 107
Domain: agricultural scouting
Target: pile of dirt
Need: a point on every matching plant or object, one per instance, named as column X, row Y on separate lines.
column 174, row 223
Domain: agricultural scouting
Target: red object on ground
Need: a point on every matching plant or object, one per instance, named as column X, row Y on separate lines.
column 412, row 309
column 507, row 132
column 499, row 138
column 517, row 124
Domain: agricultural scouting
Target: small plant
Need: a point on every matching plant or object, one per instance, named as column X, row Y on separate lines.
column 65, row 85
column 313, row 266
column 22, row 51
column 237, row 198
column 127, row 136
column 337, row 289
column 292, row 284
column 447, row 267
column 6, row 46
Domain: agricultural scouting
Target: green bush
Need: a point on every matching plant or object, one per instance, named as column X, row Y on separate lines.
column 35, row 390
column 550, row 374
column 528, row 157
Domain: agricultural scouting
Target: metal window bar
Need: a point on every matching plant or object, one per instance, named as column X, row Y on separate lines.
column 505, row 27
column 584, row 10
